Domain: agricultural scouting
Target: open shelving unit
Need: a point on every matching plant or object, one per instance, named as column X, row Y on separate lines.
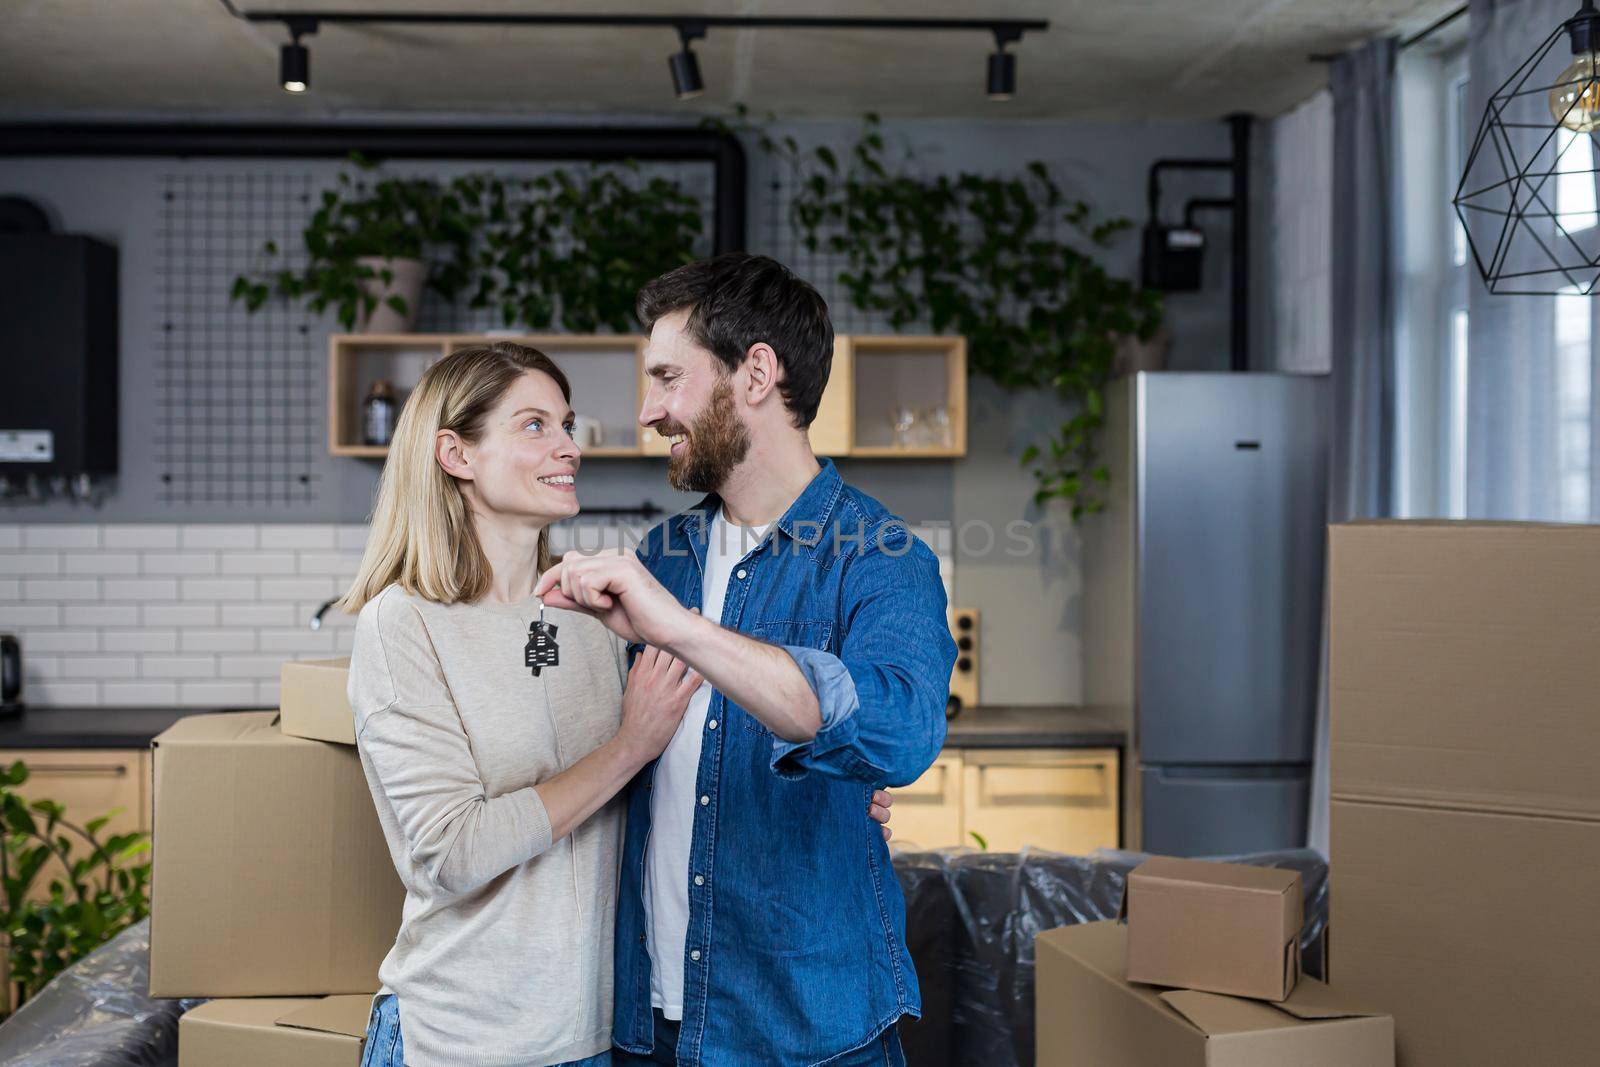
column 872, row 378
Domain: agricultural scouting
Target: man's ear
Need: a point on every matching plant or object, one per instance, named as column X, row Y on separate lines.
column 763, row 372
column 451, row 453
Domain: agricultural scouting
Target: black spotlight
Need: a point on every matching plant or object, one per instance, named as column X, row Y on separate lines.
column 1002, row 75
column 685, row 67
column 294, row 68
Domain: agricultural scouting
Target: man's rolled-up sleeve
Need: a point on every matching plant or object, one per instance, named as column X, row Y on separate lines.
column 882, row 698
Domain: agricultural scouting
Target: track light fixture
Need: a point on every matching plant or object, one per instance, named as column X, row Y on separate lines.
column 685, row 67
column 1002, row 82
column 295, row 61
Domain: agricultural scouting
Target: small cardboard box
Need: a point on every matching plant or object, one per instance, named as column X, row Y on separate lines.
column 272, row 876
column 313, row 701
column 1088, row 1015
column 270, row 1032
column 1220, row 927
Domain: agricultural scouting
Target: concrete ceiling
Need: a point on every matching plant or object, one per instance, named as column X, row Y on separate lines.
column 1101, row 59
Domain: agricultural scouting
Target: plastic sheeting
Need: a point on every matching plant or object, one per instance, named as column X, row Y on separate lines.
column 971, row 918
column 96, row 1013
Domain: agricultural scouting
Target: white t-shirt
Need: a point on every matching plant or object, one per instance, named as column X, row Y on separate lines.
column 672, row 800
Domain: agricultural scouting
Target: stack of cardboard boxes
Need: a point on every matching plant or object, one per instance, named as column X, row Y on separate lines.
column 1224, row 940
column 272, row 887
column 1464, row 666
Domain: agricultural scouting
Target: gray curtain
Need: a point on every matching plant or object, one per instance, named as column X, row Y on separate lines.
column 1360, row 473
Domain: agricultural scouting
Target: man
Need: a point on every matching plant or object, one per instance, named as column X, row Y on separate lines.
column 760, row 920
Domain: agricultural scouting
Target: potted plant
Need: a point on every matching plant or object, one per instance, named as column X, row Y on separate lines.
column 371, row 247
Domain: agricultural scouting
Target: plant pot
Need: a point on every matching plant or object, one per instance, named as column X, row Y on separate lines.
column 406, row 281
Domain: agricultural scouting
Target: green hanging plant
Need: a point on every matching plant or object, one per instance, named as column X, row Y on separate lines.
column 568, row 248
column 991, row 259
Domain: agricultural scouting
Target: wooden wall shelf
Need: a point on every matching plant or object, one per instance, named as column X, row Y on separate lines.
column 873, row 379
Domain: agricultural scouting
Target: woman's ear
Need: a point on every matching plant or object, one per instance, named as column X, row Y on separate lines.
column 451, row 452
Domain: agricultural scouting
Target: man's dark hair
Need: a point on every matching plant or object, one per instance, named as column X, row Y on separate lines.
column 739, row 299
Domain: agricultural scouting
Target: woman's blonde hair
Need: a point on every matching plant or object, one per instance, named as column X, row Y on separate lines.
column 422, row 535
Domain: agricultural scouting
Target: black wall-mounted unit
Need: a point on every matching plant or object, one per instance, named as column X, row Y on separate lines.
column 58, row 356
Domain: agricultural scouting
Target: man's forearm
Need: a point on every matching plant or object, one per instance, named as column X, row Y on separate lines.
column 761, row 678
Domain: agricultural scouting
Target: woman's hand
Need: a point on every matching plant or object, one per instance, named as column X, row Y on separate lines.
column 879, row 810
column 658, row 692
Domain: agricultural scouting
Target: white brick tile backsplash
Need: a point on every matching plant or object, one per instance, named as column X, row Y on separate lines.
column 145, row 640
column 141, row 590
column 128, row 693
column 100, row 667
column 295, row 536
column 351, row 538
column 139, row 535
column 99, row 563
column 179, row 667
column 10, row 589
column 41, row 667
column 99, row 615
column 219, row 640
column 307, row 588
column 219, row 589
column 238, row 693
column 11, row 535
column 259, row 615
column 209, row 535
column 64, row 641
column 30, row 563
column 60, row 589
column 61, row 535
column 294, row 643
column 179, row 614
column 248, row 666
column 58, row 693
column 258, row 563
column 338, row 564
column 267, row 693
column 195, row 562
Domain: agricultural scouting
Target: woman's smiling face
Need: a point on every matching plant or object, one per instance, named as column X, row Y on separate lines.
column 526, row 462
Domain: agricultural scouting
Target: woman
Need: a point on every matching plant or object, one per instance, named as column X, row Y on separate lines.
column 495, row 736
column 494, row 783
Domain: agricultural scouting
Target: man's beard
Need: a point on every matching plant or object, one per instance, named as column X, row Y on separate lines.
column 717, row 443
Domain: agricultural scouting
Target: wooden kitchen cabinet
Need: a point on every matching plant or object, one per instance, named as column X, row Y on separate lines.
column 1063, row 800
column 88, row 783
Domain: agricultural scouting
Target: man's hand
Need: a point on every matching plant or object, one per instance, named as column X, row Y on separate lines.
column 615, row 588
column 879, row 810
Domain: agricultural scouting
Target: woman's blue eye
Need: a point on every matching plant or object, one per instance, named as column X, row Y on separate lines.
column 536, row 422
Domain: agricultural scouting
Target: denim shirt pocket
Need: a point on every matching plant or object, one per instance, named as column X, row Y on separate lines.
column 805, row 633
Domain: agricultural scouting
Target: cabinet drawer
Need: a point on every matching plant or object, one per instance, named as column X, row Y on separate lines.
column 927, row 813
column 1057, row 799
column 88, row 783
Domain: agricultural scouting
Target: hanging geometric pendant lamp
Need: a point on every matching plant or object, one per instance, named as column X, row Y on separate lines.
column 1527, row 197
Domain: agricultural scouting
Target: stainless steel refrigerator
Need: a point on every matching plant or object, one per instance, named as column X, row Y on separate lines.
column 1203, row 585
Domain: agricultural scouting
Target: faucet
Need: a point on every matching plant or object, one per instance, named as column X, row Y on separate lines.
column 316, row 620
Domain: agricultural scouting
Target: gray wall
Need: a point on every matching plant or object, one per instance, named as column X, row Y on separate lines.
column 1029, row 601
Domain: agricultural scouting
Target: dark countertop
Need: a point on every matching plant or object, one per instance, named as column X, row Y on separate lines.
column 102, row 727
column 986, row 726
column 975, row 727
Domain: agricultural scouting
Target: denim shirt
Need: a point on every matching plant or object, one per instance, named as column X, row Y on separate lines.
column 796, row 948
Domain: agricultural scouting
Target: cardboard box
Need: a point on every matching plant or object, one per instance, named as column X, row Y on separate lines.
column 1219, row 927
column 1465, row 735
column 272, row 877
column 1088, row 1015
column 271, row 1032
column 313, row 701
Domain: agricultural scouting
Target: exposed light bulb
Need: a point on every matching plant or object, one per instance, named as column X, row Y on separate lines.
column 1575, row 99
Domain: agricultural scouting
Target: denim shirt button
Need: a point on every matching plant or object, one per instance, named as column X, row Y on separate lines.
column 740, row 574
column 712, row 725
column 699, row 879
column 704, row 800
column 695, row 955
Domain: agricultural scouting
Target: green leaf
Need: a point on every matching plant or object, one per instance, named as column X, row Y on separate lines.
column 982, row 841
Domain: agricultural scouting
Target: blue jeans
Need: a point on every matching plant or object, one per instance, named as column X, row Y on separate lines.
column 882, row 1052
column 383, row 1047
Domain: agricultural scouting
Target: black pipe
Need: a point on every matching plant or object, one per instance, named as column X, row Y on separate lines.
column 1240, row 125
column 669, row 144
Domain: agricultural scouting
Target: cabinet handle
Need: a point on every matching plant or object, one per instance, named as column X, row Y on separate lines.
column 119, row 770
